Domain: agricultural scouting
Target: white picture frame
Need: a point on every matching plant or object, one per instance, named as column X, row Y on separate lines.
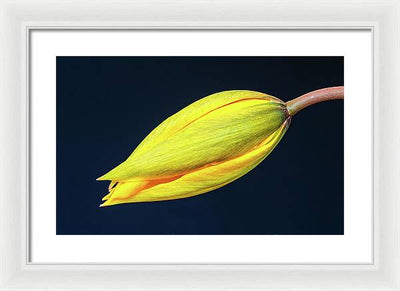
column 18, row 18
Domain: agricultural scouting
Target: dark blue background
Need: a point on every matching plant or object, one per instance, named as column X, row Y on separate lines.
column 107, row 105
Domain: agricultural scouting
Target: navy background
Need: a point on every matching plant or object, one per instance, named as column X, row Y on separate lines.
column 107, row 105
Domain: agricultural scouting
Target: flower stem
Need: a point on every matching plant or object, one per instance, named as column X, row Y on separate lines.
column 317, row 96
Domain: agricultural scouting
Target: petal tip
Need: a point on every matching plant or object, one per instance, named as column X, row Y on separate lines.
column 106, row 197
column 106, row 203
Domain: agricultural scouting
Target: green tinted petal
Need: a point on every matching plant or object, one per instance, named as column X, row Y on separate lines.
column 221, row 133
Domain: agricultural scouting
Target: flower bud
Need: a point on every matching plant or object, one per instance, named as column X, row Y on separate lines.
column 205, row 146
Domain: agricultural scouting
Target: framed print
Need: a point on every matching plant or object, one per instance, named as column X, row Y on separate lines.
column 239, row 153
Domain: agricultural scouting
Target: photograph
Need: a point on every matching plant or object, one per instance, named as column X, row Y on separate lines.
column 200, row 145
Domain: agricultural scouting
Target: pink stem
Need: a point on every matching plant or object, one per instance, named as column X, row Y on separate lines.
column 317, row 96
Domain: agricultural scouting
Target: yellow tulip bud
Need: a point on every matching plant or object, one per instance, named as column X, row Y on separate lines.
column 203, row 147
column 206, row 145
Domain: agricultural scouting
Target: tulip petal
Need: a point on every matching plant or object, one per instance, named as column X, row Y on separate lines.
column 194, row 111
